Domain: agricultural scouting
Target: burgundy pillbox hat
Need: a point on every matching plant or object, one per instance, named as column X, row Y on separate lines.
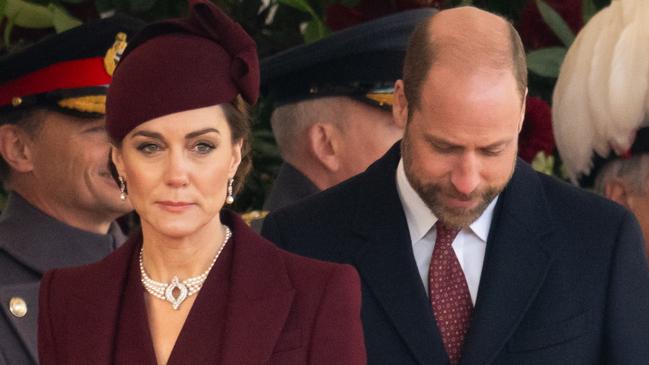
column 182, row 64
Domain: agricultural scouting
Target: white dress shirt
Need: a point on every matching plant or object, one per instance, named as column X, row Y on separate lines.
column 469, row 245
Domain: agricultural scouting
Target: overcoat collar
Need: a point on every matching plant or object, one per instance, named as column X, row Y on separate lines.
column 516, row 248
column 289, row 187
column 261, row 295
column 42, row 243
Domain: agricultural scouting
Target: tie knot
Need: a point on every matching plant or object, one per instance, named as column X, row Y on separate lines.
column 445, row 234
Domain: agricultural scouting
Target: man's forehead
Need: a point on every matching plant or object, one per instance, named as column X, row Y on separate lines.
column 457, row 81
column 54, row 119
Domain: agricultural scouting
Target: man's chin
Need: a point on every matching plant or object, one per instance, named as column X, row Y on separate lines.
column 458, row 218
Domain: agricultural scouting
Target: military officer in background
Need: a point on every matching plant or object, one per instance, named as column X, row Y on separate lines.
column 62, row 199
column 333, row 102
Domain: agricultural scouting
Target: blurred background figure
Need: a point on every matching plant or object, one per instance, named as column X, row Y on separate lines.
column 601, row 104
column 62, row 199
column 333, row 100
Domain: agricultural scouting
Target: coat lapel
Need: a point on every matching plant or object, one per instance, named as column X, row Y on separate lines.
column 386, row 263
column 261, row 296
column 516, row 263
column 99, row 302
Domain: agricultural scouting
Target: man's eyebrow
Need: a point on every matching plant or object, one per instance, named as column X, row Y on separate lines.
column 497, row 144
column 448, row 144
column 440, row 141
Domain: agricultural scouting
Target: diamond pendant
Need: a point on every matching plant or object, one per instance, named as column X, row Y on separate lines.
column 182, row 295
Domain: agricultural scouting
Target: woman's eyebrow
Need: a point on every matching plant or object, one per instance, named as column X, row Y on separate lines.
column 200, row 132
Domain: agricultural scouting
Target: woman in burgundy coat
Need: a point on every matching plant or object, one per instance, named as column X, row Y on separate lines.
column 196, row 285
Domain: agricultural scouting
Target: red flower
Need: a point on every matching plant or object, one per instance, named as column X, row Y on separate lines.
column 536, row 34
column 536, row 134
column 340, row 17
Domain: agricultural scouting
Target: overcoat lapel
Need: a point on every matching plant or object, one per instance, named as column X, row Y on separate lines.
column 25, row 326
column 516, row 262
column 261, row 296
column 98, row 304
column 386, row 262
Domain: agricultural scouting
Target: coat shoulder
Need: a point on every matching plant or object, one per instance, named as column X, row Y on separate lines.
column 92, row 275
column 579, row 205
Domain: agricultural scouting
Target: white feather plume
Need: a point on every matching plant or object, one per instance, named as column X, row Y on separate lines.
column 601, row 58
column 601, row 97
column 629, row 80
column 570, row 108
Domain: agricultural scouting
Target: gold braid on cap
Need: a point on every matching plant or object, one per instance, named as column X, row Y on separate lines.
column 381, row 98
column 87, row 104
column 97, row 103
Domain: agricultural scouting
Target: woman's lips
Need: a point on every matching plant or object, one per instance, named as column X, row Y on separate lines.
column 174, row 206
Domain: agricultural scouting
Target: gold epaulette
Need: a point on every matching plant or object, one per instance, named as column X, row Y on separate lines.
column 254, row 215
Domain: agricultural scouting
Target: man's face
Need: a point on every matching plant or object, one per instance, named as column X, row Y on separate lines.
column 638, row 203
column 460, row 145
column 70, row 163
column 368, row 133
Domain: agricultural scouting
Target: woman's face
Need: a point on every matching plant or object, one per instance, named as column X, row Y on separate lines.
column 176, row 169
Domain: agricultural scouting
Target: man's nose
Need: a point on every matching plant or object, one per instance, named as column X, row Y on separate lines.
column 466, row 175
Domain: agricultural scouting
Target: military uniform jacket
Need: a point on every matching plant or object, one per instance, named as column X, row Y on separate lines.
column 31, row 243
column 565, row 279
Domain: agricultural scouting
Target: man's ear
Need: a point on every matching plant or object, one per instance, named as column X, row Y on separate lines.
column 324, row 144
column 16, row 148
column 116, row 158
column 617, row 191
column 400, row 105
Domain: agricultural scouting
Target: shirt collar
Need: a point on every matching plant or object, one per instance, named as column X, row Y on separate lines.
column 421, row 219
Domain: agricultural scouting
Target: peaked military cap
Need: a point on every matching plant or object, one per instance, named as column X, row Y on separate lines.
column 69, row 71
column 362, row 62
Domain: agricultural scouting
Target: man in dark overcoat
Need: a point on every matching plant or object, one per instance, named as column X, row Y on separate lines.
column 467, row 255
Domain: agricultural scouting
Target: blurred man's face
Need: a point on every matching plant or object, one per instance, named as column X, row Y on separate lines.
column 638, row 203
column 459, row 150
column 368, row 133
column 70, row 157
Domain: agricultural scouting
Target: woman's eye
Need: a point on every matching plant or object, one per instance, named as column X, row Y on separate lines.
column 203, row 148
column 149, row 148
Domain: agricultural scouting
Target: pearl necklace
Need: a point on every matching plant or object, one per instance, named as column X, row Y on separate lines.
column 186, row 288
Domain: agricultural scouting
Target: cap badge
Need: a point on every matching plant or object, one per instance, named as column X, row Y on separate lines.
column 114, row 53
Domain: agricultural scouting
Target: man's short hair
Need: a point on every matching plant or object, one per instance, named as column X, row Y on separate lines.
column 289, row 121
column 633, row 172
column 421, row 55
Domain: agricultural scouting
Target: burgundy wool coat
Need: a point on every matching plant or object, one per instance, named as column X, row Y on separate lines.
column 282, row 308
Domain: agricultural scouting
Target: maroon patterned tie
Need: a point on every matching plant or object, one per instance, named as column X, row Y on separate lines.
column 449, row 293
